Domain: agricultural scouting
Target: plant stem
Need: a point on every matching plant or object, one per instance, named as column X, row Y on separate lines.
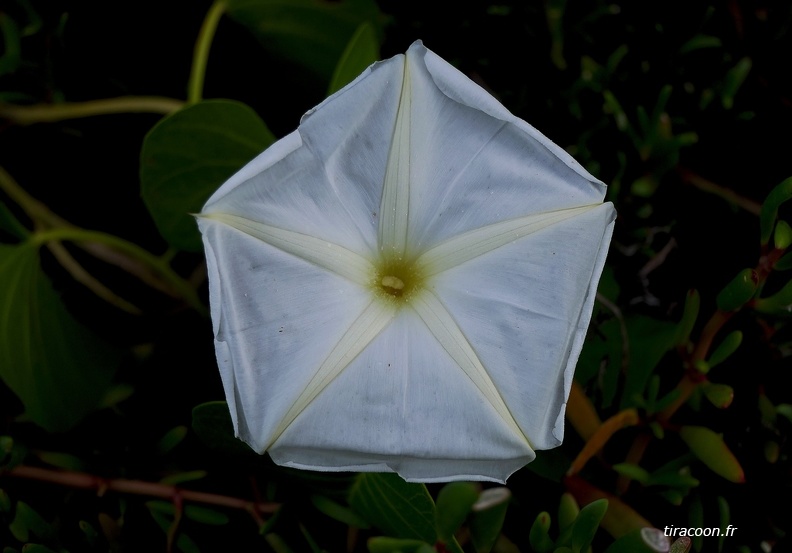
column 48, row 113
column 82, row 480
column 159, row 265
column 201, row 52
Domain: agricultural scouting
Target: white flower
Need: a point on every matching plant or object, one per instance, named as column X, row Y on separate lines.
column 404, row 283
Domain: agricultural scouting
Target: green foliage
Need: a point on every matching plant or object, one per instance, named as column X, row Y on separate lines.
column 188, row 155
column 398, row 508
column 57, row 367
column 361, row 51
column 309, row 32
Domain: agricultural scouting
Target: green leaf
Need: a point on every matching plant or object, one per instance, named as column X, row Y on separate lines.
column 724, row 350
column 197, row 513
column 5, row 502
column 488, row 515
column 171, row 439
column 338, row 512
column 362, row 51
column 188, row 155
column 778, row 303
column 383, row 544
column 398, row 508
column 27, row 523
column 184, row 543
column 539, row 536
column 741, row 289
column 313, row 33
column 649, row 341
column 57, row 367
column 452, row 508
column 10, row 224
column 782, row 237
column 767, row 218
column 568, row 510
column 689, row 316
column 633, row 472
column 720, row 395
column 698, row 42
column 582, row 531
column 734, row 80
column 11, row 51
column 211, row 421
column 713, row 452
column 785, row 263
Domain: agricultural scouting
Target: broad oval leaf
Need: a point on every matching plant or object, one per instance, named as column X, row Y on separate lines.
column 58, row 368
column 310, row 32
column 362, row 51
column 188, row 154
column 398, row 508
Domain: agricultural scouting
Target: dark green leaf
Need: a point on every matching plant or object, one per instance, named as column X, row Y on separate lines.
column 539, row 536
column 578, row 537
column 312, row 33
column 738, row 291
column 188, row 155
column 724, row 350
column 338, row 512
column 171, row 439
column 211, row 421
column 689, row 316
column 734, row 80
column 782, row 237
column 10, row 224
column 362, row 51
column 767, row 218
column 452, row 508
column 486, row 521
column 383, row 544
column 11, row 51
column 398, row 508
column 28, row 523
column 778, row 303
column 649, row 341
column 58, row 368
column 197, row 513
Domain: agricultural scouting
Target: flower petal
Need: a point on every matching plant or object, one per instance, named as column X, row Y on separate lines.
column 276, row 318
column 472, row 163
column 525, row 308
column 403, row 405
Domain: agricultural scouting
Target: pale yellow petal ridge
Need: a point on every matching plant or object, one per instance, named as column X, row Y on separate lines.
column 394, row 207
column 373, row 320
column 332, row 257
column 445, row 329
column 474, row 243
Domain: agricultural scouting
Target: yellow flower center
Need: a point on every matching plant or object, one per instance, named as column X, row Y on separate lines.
column 397, row 279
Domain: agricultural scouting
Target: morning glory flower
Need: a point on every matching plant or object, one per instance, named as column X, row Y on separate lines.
column 404, row 283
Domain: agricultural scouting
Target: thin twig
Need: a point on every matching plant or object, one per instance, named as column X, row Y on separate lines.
column 85, row 481
column 722, row 192
column 50, row 113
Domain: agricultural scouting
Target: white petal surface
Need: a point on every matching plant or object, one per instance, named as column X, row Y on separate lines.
column 525, row 308
column 402, row 405
column 276, row 319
